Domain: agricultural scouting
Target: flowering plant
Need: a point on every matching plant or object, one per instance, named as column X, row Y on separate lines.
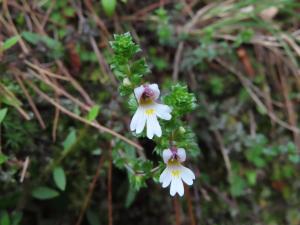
column 163, row 121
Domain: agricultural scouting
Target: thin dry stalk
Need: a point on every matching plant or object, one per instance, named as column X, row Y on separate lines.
column 177, row 210
column 74, row 116
column 103, row 65
column 90, row 191
column 292, row 116
column 109, row 189
column 24, row 169
column 247, row 85
column 186, row 29
column 190, row 205
column 31, row 103
column 5, row 92
column 60, row 90
column 55, row 120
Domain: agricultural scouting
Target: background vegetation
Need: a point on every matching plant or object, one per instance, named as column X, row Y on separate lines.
column 67, row 156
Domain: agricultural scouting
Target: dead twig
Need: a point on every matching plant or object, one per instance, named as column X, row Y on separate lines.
column 109, row 188
column 73, row 115
column 247, row 85
column 177, row 210
column 103, row 65
column 56, row 119
column 31, row 103
column 190, row 205
column 24, row 169
column 186, row 29
column 91, row 189
column 12, row 98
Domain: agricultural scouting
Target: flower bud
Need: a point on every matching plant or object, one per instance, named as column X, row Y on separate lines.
column 181, row 130
column 126, row 82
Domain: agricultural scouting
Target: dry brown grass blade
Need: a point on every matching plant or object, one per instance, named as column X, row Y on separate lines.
column 292, row 116
column 5, row 92
column 176, row 204
column 55, row 120
column 109, row 188
column 190, row 205
column 81, row 119
column 60, row 90
column 24, row 169
column 186, row 29
column 103, row 65
column 59, row 63
column 31, row 103
column 97, row 19
column 247, row 85
column 44, row 71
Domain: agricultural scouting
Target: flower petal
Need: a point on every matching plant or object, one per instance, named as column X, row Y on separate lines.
column 157, row 128
column 181, row 153
column 155, row 89
column 187, row 175
column 153, row 127
column 165, row 178
column 167, row 154
column 150, row 132
column 135, row 119
column 141, row 122
column 138, row 92
column 176, row 186
column 163, row 111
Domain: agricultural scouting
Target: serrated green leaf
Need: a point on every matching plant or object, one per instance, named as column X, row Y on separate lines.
column 59, row 178
column 10, row 42
column 93, row 113
column 3, row 113
column 44, row 193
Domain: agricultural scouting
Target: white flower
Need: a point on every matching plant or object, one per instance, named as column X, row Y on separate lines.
column 148, row 111
column 175, row 173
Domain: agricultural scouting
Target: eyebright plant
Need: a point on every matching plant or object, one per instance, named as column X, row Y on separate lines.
column 163, row 119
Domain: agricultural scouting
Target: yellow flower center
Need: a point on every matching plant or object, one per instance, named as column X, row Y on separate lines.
column 145, row 101
column 176, row 173
column 173, row 162
column 149, row 112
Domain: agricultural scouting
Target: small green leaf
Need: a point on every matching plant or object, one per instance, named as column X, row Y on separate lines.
column 93, row 113
column 16, row 218
column 251, row 177
column 92, row 217
column 3, row 158
column 262, row 110
column 4, row 218
column 70, row 140
column 97, row 151
column 44, row 193
column 3, row 113
column 10, row 42
column 131, row 194
column 30, row 37
column 109, row 6
column 237, row 185
column 59, row 178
